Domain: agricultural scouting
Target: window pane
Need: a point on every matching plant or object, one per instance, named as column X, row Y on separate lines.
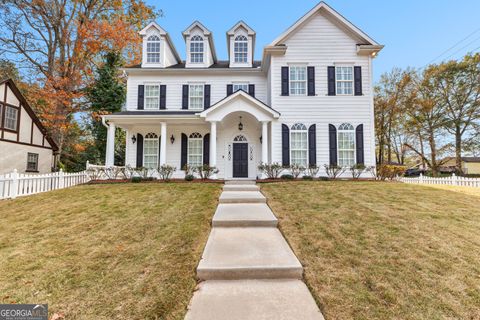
column 153, row 49
column 195, row 151
column 196, row 96
column 344, row 79
column 299, row 146
column 11, row 118
column 150, row 153
column 346, row 147
column 298, row 80
column 152, row 96
column 196, row 49
column 240, row 86
column 240, row 49
column 32, row 161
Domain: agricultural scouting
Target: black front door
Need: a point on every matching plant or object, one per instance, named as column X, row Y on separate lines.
column 240, row 160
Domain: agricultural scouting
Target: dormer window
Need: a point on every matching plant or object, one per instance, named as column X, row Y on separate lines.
column 153, row 49
column 196, row 49
column 240, row 49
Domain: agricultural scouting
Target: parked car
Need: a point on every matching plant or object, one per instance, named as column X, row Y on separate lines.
column 414, row 172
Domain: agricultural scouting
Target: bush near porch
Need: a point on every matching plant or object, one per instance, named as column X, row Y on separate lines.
column 118, row 251
column 377, row 250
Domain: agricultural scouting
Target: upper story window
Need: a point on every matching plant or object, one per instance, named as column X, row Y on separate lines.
column 346, row 145
column 196, row 49
column 344, row 80
column 196, row 95
column 299, row 144
column 195, row 150
column 240, row 86
column 153, row 49
column 240, row 49
column 150, row 151
column 152, row 96
column 298, row 80
column 11, row 117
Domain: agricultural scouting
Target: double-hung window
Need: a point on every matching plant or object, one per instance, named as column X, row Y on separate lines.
column 195, row 150
column 298, row 80
column 152, row 96
column 346, row 145
column 153, row 49
column 150, row 151
column 196, row 96
column 240, row 49
column 299, row 145
column 240, row 86
column 32, row 161
column 344, row 80
column 196, row 49
column 11, row 115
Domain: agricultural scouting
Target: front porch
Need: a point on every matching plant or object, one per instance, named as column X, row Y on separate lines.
column 233, row 135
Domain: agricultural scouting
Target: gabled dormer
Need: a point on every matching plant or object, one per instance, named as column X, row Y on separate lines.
column 200, row 48
column 241, row 45
column 157, row 50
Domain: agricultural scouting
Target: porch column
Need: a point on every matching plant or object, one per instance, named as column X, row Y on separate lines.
column 213, row 144
column 163, row 143
column 264, row 141
column 110, row 154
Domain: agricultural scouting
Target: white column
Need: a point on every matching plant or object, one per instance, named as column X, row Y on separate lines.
column 264, row 141
column 213, row 144
column 110, row 154
column 163, row 143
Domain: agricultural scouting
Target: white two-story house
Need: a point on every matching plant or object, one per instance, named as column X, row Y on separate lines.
column 309, row 100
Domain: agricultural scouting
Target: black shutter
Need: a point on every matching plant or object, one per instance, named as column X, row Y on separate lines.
column 331, row 81
column 311, row 80
column 251, row 90
column 285, row 81
column 139, row 150
column 206, row 97
column 163, row 97
column 184, row 148
column 285, row 145
column 185, row 96
column 141, row 95
column 359, row 143
column 357, row 76
column 229, row 89
column 206, row 149
column 332, row 138
column 312, row 145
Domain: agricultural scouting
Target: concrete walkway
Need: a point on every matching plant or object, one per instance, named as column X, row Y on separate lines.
column 248, row 270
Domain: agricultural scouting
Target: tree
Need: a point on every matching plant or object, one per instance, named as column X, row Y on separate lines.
column 8, row 70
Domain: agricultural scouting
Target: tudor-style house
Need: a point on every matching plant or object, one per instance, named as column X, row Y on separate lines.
column 308, row 101
column 24, row 143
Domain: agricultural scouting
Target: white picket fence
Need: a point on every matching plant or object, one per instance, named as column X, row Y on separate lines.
column 16, row 184
column 451, row 181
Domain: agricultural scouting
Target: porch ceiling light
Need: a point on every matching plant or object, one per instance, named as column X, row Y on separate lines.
column 134, row 139
column 240, row 124
column 172, row 139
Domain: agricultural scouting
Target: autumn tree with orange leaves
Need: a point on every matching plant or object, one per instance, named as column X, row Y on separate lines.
column 60, row 42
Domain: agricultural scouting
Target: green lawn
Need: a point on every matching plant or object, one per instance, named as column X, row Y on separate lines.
column 123, row 251
column 374, row 250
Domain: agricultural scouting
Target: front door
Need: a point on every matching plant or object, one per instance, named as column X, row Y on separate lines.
column 240, row 160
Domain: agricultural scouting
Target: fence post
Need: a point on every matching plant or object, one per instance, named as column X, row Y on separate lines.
column 87, row 165
column 454, row 179
column 420, row 178
column 61, row 179
column 14, row 189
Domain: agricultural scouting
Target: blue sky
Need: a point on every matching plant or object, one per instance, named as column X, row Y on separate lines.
column 413, row 32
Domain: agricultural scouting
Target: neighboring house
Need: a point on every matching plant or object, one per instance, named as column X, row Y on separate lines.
column 24, row 144
column 308, row 101
column 470, row 165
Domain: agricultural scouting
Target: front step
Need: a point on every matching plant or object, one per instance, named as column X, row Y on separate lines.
column 241, row 187
column 248, row 253
column 253, row 300
column 244, row 215
column 228, row 182
column 242, row 197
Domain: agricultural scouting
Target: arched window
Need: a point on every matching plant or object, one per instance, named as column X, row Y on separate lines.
column 150, row 151
column 240, row 138
column 240, row 49
column 195, row 149
column 196, row 49
column 299, row 145
column 153, row 49
column 346, row 145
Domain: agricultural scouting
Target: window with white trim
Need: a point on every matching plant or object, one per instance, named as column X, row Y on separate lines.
column 150, row 151
column 240, row 86
column 298, row 80
column 344, row 80
column 346, row 145
column 153, row 49
column 196, row 49
column 195, row 150
column 240, row 49
column 32, row 161
column 195, row 96
column 152, row 96
column 11, row 117
column 299, row 145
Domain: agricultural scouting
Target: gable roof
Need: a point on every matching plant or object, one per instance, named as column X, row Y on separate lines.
column 464, row 159
column 162, row 31
column 240, row 23
column 338, row 17
column 206, row 32
column 29, row 110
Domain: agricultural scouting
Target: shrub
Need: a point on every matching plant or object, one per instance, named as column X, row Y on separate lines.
column 272, row 171
column 313, row 170
column 287, row 177
column 136, row 179
column 358, row 169
column 296, row 170
column 189, row 177
column 333, row 171
column 307, row 178
column 390, row 171
column 166, row 171
column 206, row 171
column 189, row 170
column 324, row 178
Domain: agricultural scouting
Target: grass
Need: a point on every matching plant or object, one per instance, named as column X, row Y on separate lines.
column 123, row 251
column 375, row 250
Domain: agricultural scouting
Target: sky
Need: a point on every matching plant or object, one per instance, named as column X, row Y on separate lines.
column 415, row 33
